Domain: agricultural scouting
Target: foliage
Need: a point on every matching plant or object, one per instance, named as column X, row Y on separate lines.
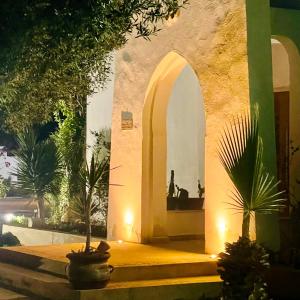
column 4, row 187
column 38, row 170
column 66, row 227
column 295, row 184
column 103, row 142
column 8, row 239
column 70, row 142
column 13, row 190
column 100, row 150
column 19, row 221
column 59, row 50
column 241, row 153
column 242, row 267
column 59, row 203
column 92, row 175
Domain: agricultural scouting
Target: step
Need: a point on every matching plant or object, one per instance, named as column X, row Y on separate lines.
column 131, row 271
column 6, row 294
column 52, row 287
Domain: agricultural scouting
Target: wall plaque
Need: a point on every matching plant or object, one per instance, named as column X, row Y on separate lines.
column 126, row 120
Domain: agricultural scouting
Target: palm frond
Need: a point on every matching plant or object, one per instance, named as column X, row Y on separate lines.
column 241, row 154
column 39, row 167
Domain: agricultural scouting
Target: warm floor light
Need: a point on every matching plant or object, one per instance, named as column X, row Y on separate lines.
column 213, row 256
column 221, row 224
column 120, row 242
column 128, row 218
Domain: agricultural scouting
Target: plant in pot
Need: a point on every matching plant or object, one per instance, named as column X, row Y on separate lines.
column 89, row 268
column 243, row 264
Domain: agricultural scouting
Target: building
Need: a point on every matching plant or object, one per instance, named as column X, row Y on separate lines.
column 170, row 100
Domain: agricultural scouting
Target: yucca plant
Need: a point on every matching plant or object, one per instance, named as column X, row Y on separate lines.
column 92, row 175
column 241, row 153
column 38, row 171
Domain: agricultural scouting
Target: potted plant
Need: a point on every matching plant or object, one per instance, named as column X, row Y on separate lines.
column 89, row 268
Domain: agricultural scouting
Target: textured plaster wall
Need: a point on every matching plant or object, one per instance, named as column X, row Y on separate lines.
column 186, row 223
column 211, row 36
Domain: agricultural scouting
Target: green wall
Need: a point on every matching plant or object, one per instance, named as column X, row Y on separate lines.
column 286, row 22
column 263, row 22
column 261, row 92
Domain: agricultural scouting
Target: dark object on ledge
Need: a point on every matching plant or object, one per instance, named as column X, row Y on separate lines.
column 171, row 191
column 175, row 203
column 201, row 190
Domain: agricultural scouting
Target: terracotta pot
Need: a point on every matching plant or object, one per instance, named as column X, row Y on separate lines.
column 88, row 270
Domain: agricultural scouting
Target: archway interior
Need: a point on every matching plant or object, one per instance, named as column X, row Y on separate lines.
column 185, row 134
column 173, row 89
column 283, row 116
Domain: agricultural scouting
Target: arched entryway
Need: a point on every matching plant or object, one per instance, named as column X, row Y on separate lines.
column 286, row 84
column 173, row 139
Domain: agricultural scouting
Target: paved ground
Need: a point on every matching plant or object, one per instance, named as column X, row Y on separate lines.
column 129, row 253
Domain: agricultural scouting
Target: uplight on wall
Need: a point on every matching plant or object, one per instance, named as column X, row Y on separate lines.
column 222, row 229
column 128, row 218
column 221, row 225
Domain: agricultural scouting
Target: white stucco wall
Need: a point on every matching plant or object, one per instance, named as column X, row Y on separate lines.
column 281, row 67
column 185, row 132
column 186, row 223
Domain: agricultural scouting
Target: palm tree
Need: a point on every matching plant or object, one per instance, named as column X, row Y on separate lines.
column 241, row 152
column 38, row 171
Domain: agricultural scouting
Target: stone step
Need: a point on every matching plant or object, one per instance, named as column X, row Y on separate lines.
column 6, row 294
column 122, row 272
column 52, row 287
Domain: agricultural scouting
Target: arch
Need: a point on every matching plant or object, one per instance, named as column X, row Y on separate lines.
column 154, row 144
column 293, row 90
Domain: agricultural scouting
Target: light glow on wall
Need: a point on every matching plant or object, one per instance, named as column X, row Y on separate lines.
column 221, row 225
column 222, row 229
column 128, row 218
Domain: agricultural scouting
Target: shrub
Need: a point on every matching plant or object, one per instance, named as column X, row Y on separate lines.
column 242, row 267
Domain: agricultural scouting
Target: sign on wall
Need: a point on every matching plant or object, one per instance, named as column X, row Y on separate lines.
column 126, row 120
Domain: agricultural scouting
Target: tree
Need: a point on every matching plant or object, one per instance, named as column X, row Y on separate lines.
column 70, row 142
column 241, row 153
column 38, row 170
column 59, row 50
